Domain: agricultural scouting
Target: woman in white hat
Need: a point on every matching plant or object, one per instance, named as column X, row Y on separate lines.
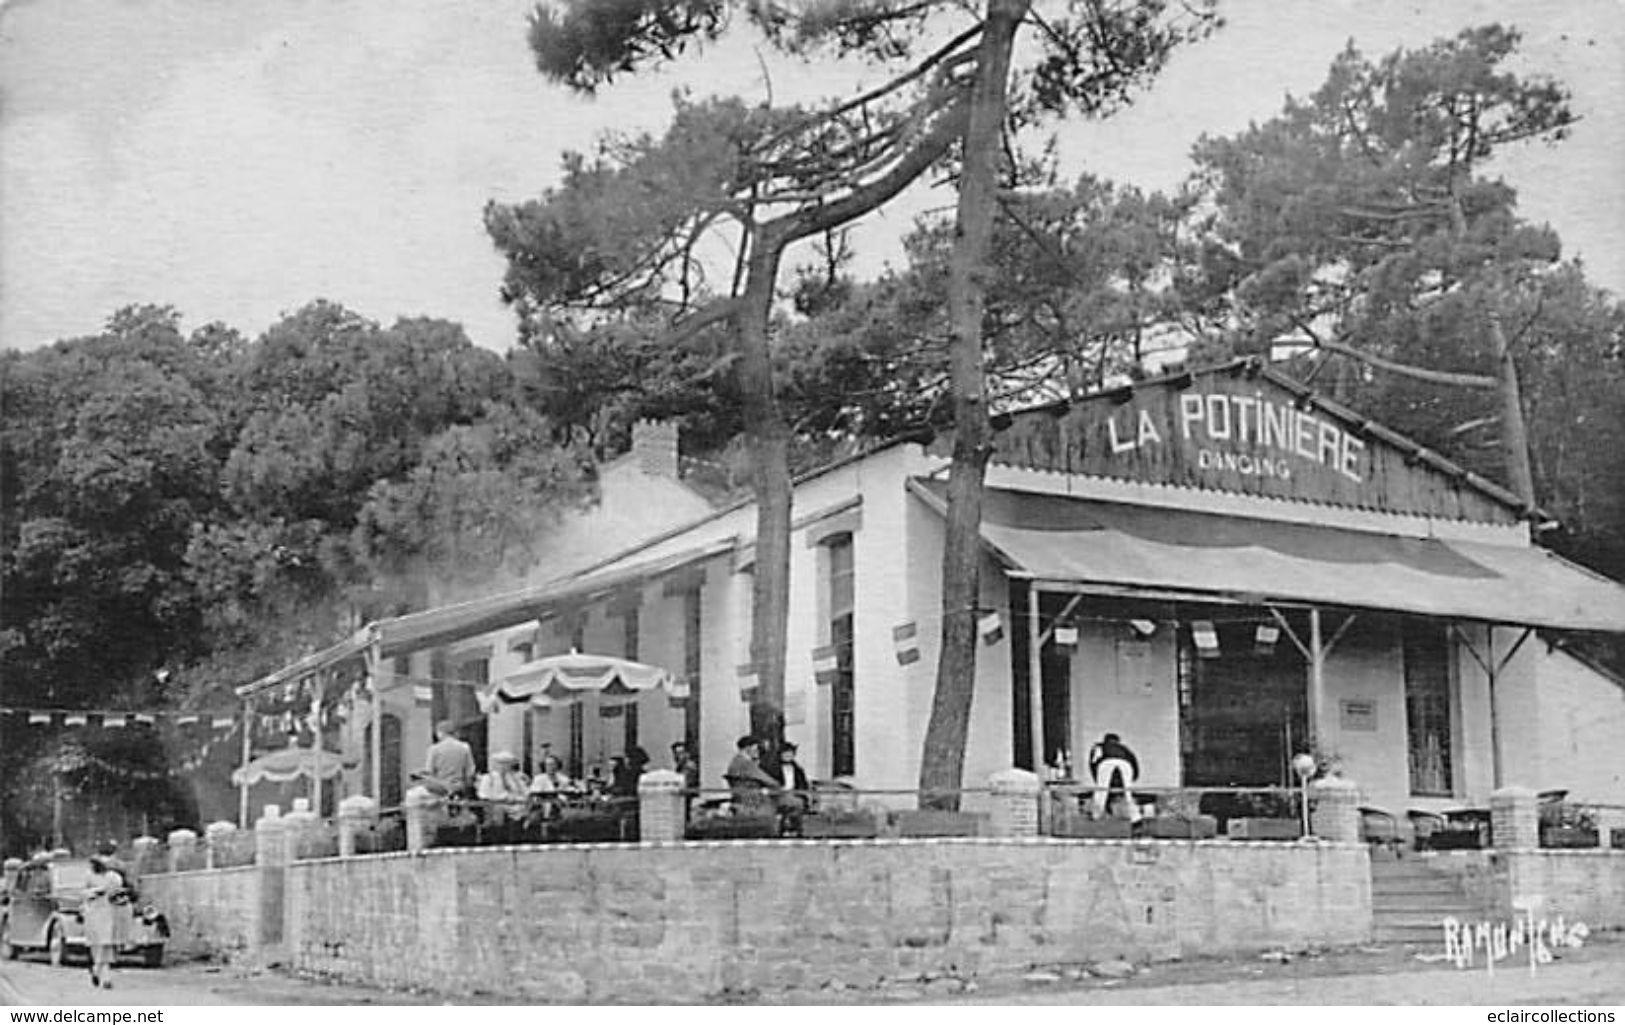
column 503, row 791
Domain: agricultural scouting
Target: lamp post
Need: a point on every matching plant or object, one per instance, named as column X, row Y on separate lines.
column 1303, row 766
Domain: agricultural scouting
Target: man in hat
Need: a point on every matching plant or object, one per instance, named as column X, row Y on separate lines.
column 685, row 765
column 1114, row 769
column 750, row 783
column 796, row 799
column 505, row 790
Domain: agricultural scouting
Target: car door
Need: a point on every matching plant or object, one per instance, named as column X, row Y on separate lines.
column 30, row 906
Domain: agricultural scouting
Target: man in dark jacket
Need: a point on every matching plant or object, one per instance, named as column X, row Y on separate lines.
column 796, row 798
column 1114, row 769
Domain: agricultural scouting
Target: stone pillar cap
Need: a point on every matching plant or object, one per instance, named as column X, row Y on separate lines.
column 420, row 797
column 1515, row 792
column 1014, row 779
column 359, row 805
column 1333, row 783
column 181, row 835
column 220, row 826
column 660, row 779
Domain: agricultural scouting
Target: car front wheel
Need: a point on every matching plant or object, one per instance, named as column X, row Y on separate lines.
column 56, row 947
column 7, row 950
column 153, row 956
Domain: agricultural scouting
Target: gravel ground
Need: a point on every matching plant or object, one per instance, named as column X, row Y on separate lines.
column 1592, row 975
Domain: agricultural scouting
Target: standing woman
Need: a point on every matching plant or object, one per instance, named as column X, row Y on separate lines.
column 105, row 913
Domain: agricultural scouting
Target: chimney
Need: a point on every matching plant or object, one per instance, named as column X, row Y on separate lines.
column 654, row 443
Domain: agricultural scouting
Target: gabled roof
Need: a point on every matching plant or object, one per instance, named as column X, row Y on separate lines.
column 1251, row 372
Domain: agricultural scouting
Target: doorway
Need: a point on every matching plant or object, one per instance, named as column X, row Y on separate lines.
column 1243, row 708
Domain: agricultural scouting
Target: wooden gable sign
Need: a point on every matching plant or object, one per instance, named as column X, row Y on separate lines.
column 1242, row 428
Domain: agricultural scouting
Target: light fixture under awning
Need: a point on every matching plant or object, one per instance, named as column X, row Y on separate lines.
column 1206, row 556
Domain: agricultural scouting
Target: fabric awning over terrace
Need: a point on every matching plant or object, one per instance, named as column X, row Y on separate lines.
column 415, row 631
column 1117, row 548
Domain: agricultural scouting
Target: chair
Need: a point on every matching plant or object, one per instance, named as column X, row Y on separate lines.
column 1380, row 828
column 1423, row 825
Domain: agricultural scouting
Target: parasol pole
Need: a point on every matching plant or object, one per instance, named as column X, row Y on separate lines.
column 248, row 749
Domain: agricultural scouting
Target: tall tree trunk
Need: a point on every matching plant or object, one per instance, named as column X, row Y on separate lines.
column 942, row 763
column 1514, row 432
column 769, row 441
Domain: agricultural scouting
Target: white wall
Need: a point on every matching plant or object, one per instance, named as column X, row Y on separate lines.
column 1129, row 687
column 1580, row 739
column 1367, row 665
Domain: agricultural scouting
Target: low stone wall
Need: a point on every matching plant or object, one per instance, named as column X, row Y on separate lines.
column 683, row 921
column 211, row 912
column 1581, row 885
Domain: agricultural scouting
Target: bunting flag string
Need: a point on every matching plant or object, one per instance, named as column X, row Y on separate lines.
column 116, row 718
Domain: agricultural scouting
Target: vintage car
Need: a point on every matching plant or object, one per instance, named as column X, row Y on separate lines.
column 42, row 913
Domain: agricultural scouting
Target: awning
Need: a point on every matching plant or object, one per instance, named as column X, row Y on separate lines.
column 425, row 629
column 1121, row 548
column 419, row 630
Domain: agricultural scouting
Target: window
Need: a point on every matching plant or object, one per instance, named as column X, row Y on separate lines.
column 464, row 706
column 1243, row 710
column 1427, row 709
column 578, row 726
column 390, row 777
column 629, row 633
column 843, row 692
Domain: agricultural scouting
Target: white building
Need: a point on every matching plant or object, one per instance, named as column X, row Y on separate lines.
column 1225, row 569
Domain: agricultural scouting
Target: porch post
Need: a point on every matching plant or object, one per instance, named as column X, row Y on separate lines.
column 248, row 750
column 1317, row 675
column 1492, row 671
column 1035, row 681
column 316, row 745
column 374, row 660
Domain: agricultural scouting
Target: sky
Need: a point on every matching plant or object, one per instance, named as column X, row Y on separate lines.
column 238, row 160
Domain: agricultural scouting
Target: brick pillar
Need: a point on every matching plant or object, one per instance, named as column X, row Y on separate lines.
column 1336, row 814
column 301, row 823
column 1515, row 819
column 356, row 813
column 145, row 850
column 271, row 862
column 1015, row 802
column 182, row 849
column 661, row 814
column 216, row 835
column 422, row 811
column 271, row 838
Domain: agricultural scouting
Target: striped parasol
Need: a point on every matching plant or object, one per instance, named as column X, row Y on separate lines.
column 290, row 763
column 563, row 678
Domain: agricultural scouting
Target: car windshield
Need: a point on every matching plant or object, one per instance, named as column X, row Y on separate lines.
column 70, row 875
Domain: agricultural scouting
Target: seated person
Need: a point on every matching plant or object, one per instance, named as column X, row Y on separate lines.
column 551, row 787
column 505, row 788
column 623, row 778
column 796, row 799
column 752, row 787
column 685, row 765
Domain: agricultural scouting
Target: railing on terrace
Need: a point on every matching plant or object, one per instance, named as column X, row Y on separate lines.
column 1064, row 810
column 1570, row 825
column 1083, row 810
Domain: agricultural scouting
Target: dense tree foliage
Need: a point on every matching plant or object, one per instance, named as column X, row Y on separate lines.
column 180, row 513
